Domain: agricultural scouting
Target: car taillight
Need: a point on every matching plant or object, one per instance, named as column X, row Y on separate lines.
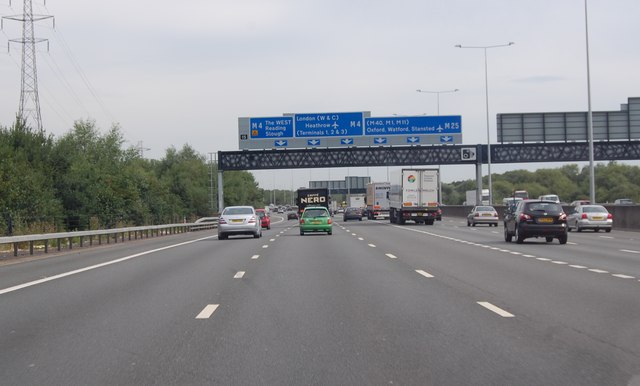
column 584, row 216
column 329, row 221
column 610, row 216
column 562, row 217
column 222, row 221
column 301, row 221
column 252, row 220
column 524, row 217
column 476, row 215
column 495, row 214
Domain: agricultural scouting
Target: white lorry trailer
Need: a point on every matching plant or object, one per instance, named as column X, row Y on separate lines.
column 378, row 200
column 471, row 198
column 414, row 196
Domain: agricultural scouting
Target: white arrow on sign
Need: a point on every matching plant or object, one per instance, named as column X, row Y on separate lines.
column 313, row 142
column 347, row 141
column 281, row 143
column 413, row 139
column 446, row 138
column 380, row 140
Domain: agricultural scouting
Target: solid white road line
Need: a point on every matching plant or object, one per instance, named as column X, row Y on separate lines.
column 60, row 276
column 254, row 257
column 497, row 310
column 423, row 273
column 207, row 311
column 389, row 255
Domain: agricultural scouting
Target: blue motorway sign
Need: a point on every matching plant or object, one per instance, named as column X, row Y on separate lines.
column 328, row 125
column 277, row 127
column 414, row 125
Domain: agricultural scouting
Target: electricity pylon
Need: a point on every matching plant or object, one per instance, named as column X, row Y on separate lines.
column 29, row 109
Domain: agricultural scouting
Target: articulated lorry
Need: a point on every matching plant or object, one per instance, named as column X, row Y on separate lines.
column 312, row 197
column 414, row 196
column 378, row 200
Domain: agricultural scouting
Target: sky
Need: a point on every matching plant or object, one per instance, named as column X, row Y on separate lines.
column 171, row 73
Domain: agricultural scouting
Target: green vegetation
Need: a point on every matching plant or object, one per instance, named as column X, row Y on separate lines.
column 571, row 183
column 87, row 180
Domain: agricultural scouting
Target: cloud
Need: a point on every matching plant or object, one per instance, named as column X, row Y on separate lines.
column 541, row 79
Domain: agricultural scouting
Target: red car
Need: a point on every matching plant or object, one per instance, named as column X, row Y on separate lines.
column 265, row 220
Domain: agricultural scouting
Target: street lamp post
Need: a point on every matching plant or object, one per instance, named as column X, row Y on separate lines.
column 438, row 94
column 486, row 87
column 592, row 179
column 438, row 99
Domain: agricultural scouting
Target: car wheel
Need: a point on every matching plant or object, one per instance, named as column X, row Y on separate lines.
column 562, row 239
column 549, row 239
column 468, row 223
column 578, row 229
column 473, row 224
column 222, row 236
column 301, row 232
column 507, row 235
column 519, row 237
column 608, row 230
column 597, row 230
column 268, row 226
column 330, row 233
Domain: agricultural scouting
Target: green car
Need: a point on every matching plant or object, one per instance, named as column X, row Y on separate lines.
column 315, row 219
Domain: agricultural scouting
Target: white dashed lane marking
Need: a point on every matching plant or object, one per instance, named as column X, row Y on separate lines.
column 207, row 311
column 496, row 309
column 391, row 256
column 255, row 257
column 239, row 275
column 423, row 273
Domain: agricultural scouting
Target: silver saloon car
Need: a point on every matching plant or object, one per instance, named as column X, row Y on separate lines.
column 594, row 217
column 483, row 215
column 239, row 220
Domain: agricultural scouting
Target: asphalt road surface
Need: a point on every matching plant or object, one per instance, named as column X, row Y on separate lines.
column 372, row 304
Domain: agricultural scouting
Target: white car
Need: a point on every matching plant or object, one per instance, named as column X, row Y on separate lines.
column 239, row 220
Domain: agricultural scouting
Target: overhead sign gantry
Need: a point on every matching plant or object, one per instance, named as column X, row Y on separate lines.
column 350, row 129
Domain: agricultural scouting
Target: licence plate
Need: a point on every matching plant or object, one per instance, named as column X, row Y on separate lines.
column 597, row 218
column 315, row 222
column 487, row 214
column 235, row 221
column 545, row 220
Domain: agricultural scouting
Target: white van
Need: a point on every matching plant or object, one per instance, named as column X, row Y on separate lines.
column 550, row 197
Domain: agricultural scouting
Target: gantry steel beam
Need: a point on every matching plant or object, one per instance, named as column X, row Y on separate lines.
column 424, row 155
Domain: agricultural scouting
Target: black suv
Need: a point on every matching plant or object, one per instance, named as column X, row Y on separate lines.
column 535, row 218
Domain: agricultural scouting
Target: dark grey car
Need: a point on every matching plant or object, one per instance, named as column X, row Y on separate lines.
column 536, row 218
